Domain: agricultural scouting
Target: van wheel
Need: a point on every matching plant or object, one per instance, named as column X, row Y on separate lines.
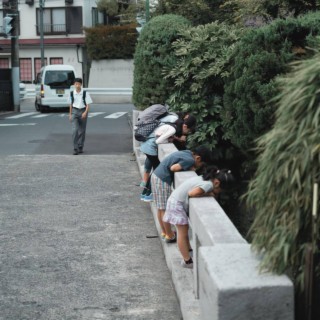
column 36, row 106
column 41, row 108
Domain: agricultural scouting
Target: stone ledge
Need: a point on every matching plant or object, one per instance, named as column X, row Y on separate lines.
column 231, row 286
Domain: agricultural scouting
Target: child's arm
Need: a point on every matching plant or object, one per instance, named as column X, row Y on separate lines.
column 177, row 167
column 165, row 132
column 198, row 192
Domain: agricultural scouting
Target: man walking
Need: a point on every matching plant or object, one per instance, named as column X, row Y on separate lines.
column 79, row 109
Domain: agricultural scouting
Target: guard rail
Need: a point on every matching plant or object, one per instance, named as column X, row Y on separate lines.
column 30, row 92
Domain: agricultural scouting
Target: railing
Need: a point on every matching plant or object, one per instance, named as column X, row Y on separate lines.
column 30, row 92
column 226, row 282
column 53, row 29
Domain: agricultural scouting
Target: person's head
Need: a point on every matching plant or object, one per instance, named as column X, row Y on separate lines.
column 189, row 125
column 201, row 155
column 77, row 83
column 222, row 180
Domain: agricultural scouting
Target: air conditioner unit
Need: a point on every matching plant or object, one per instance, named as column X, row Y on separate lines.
column 69, row 1
column 30, row 2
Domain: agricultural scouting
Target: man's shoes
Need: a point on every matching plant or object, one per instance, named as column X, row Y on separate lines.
column 75, row 152
column 142, row 197
column 171, row 240
column 187, row 264
column 148, row 198
column 80, row 150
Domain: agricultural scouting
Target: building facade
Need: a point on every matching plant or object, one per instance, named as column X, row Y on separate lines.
column 63, row 30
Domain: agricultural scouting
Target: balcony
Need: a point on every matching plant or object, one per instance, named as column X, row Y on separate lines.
column 53, row 29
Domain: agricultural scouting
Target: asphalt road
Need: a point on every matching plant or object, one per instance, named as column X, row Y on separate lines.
column 30, row 132
column 74, row 237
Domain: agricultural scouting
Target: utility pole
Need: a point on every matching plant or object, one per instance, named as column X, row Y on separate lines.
column 41, row 6
column 15, row 69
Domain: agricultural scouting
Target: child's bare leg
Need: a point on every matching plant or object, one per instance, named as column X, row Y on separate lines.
column 183, row 241
column 168, row 230
column 146, row 176
column 161, row 223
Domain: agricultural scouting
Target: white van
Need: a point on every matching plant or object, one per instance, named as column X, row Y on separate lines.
column 53, row 86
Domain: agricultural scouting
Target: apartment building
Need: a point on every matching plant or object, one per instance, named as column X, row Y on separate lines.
column 64, row 38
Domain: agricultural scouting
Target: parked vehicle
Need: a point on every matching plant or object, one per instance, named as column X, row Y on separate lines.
column 53, row 86
column 22, row 91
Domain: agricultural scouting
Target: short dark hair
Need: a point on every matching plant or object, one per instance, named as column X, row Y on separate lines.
column 204, row 153
column 191, row 123
column 78, row 80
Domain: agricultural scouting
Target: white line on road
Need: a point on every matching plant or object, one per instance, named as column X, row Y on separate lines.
column 115, row 115
column 22, row 115
column 41, row 116
column 93, row 114
column 16, row 124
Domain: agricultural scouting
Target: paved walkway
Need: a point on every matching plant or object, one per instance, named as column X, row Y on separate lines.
column 77, row 243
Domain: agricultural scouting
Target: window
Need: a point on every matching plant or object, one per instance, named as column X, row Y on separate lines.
column 56, row 60
column 60, row 20
column 26, row 70
column 4, row 63
column 95, row 16
column 37, row 65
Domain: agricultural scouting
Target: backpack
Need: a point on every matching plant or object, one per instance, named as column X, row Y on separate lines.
column 83, row 97
column 148, row 120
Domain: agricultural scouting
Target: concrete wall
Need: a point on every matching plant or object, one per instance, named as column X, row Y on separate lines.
column 226, row 283
column 113, row 73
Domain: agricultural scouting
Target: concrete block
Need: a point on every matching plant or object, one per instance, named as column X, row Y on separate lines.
column 231, row 286
column 165, row 149
column 211, row 224
column 180, row 177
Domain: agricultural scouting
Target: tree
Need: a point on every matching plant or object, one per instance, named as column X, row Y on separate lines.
column 203, row 54
column 153, row 53
column 247, row 11
column 196, row 11
column 288, row 166
column 121, row 11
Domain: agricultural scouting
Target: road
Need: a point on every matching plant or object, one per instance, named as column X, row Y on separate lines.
column 76, row 242
column 31, row 132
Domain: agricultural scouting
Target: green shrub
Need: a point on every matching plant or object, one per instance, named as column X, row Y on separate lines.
column 111, row 42
column 203, row 55
column 288, row 166
column 261, row 56
column 196, row 11
column 153, row 52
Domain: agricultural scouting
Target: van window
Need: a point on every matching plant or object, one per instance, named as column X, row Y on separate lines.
column 38, row 80
column 59, row 78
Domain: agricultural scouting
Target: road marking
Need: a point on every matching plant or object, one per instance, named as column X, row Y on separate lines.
column 16, row 124
column 22, row 115
column 115, row 115
column 41, row 116
column 93, row 114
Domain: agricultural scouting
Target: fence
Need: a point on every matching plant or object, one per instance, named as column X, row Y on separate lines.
column 225, row 283
column 100, row 95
